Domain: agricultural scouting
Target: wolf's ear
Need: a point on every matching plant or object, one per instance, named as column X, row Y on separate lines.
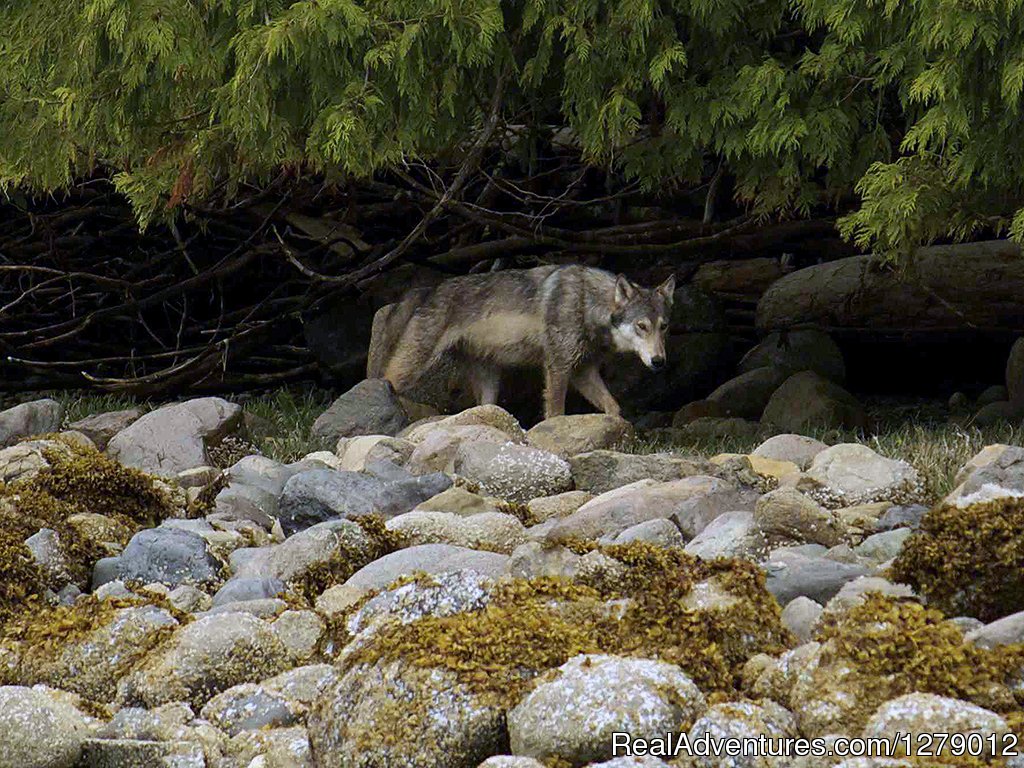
column 666, row 289
column 624, row 290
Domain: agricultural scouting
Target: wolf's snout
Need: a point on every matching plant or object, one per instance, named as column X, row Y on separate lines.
column 657, row 363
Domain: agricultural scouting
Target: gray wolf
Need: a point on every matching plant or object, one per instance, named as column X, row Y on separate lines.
column 566, row 320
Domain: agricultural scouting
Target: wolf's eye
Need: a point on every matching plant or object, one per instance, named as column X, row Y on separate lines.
column 662, row 326
column 643, row 326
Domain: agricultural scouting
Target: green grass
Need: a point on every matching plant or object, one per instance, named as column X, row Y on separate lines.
column 917, row 431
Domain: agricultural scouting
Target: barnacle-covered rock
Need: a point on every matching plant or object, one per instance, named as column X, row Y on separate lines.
column 851, row 473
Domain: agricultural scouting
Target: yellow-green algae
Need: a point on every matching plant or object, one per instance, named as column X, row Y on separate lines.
column 970, row 560
column 77, row 480
column 889, row 648
column 534, row 625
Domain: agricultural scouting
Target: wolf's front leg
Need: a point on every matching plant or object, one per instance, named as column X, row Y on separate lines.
column 486, row 380
column 556, row 384
column 590, row 384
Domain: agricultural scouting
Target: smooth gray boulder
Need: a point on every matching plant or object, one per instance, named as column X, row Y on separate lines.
column 371, row 407
column 426, row 558
column 819, row 578
column 168, row 555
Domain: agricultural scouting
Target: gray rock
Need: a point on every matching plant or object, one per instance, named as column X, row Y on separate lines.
column 45, row 546
column 928, row 713
column 746, row 395
column 39, row 730
column 261, row 608
column 661, row 532
column 426, row 558
column 786, row 514
column 794, row 351
column 371, row 407
column 513, row 472
column 744, row 720
column 691, row 503
column 170, row 556
column 719, row 428
column 537, row 559
column 1005, row 631
column 101, row 427
column 851, row 473
column 164, row 723
column 240, row 502
column 29, row 419
column 732, row 534
column 808, row 401
column 202, row 659
column 897, row 516
column 800, row 616
column 298, row 554
column 574, row 715
column 248, row 588
column 999, row 412
column 602, row 471
column 818, row 578
column 262, row 473
column 994, row 394
column 854, row 592
column 300, row 632
column 995, row 471
column 248, row 707
column 443, row 724
column 325, row 494
column 795, row 448
column 175, row 438
column 881, row 547
column 570, row 435
column 491, row 531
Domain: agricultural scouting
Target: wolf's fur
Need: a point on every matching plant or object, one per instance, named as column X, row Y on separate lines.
column 565, row 320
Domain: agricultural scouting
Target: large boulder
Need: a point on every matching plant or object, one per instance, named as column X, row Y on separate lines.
column 513, row 472
column 995, row 471
column 794, row 351
column 691, row 503
column 175, row 438
column 204, row 658
column 570, row 435
column 490, row 531
column 39, row 730
column 785, row 514
column 851, row 473
column 401, row 715
column 792, row 575
column 29, row 419
column 918, row 713
column 371, row 407
column 808, row 401
column 797, row 449
column 1015, row 372
column 573, row 715
column 746, row 395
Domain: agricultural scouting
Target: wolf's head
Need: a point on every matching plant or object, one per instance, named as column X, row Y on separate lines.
column 640, row 319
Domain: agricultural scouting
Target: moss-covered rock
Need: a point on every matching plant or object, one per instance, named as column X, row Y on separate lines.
column 968, row 560
column 648, row 610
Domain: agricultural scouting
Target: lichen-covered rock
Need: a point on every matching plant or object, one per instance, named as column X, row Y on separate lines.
column 602, row 470
column 663, row 533
column 512, row 472
column 490, row 531
column 426, row 558
column 795, row 448
column 29, row 419
column 481, row 415
column 570, row 435
column 371, row 407
column 437, row 450
column 742, row 720
column 300, row 632
column 925, row 713
column 204, row 658
column 969, row 560
column 175, row 438
column 560, row 505
column 785, row 514
column 851, row 473
column 691, row 503
column 401, row 715
column 459, row 501
column 39, row 729
column 573, row 715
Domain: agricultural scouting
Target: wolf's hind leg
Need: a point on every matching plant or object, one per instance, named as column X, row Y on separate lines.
column 590, row 384
column 486, row 381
